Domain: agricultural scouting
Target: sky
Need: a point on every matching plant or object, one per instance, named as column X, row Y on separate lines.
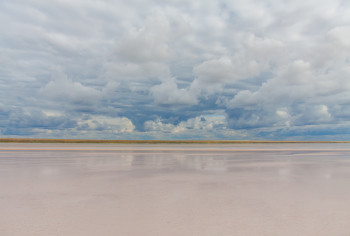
column 175, row 69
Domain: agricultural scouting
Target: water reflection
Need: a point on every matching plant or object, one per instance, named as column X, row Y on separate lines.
column 174, row 190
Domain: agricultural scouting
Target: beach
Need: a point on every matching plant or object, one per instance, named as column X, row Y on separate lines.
column 174, row 189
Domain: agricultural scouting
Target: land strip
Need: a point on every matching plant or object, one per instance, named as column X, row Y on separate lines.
column 36, row 140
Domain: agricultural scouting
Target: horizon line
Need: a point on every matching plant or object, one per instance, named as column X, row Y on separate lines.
column 135, row 141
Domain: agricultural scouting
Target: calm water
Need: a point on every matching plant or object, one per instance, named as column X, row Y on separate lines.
column 101, row 189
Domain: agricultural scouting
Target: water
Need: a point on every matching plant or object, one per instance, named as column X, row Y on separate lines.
column 109, row 189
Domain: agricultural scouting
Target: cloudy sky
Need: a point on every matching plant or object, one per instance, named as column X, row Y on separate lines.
column 175, row 69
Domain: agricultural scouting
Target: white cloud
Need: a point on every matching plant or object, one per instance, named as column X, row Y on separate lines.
column 147, row 43
column 340, row 35
column 168, row 93
column 64, row 89
column 203, row 123
column 297, row 82
column 106, row 124
column 254, row 58
column 269, row 64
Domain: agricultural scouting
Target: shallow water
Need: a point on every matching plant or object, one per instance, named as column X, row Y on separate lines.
column 110, row 189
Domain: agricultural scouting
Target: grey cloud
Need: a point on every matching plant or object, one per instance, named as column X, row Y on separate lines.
column 32, row 121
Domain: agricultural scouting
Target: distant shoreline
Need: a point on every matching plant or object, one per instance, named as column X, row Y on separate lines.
column 35, row 140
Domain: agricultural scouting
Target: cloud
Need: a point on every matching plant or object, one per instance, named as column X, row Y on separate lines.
column 168, row 93
column 61, row 89
column 200, row 127
column 154, row 69
column 339, row 34
column 29, row 121
column 106, row 124
column 198, row 123
column 147, row 43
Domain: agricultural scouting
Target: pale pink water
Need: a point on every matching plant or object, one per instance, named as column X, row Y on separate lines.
column 101, row 189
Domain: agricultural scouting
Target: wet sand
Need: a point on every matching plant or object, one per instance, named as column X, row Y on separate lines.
column 110, row 189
